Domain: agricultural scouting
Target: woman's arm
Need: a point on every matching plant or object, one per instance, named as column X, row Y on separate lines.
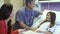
column 43, row 27
column 40, row 31
column 48, row 33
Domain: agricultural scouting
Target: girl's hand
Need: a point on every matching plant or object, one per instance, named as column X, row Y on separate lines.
column 21, row 30
column 48, row 33
column 33, row 29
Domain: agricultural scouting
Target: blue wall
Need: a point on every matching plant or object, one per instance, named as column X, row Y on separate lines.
column 50, row 6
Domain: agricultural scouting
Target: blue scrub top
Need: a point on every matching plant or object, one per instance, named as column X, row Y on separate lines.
column 26, row 16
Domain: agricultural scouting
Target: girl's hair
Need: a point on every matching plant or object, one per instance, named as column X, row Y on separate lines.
column 53, row 17
column 5, row 11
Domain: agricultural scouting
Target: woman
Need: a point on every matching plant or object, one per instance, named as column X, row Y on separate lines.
column 44, row 26
column 5, row 12
column 9, row 26
column 48, row 23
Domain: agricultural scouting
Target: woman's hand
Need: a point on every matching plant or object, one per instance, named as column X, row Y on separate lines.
column 33, row 29
column 38, row 31
column 48, row 33
column 22, row 30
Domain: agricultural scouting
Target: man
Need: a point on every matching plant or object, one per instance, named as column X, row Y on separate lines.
column 25, row 16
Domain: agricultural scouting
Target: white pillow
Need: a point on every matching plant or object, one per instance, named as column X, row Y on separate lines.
column 40, row 19
column 57, row 21
column 43, row 17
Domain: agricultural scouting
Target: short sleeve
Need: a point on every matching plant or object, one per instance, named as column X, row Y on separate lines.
column 56, row 30
column 44, row 26
column 19, row 16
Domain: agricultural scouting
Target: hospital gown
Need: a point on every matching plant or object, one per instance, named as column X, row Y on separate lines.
column 44, row 27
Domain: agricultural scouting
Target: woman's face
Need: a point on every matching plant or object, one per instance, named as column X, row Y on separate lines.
column 48, row 17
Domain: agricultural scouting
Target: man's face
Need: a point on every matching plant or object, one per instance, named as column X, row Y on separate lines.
column 32, row 4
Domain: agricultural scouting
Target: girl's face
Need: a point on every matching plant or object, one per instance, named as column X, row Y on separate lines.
column 48, row 17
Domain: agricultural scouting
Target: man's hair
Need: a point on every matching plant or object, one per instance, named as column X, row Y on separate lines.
column 5, row 11
column 28, row 1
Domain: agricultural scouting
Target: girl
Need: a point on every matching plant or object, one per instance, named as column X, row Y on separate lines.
column 5, row 12
column 48, row 23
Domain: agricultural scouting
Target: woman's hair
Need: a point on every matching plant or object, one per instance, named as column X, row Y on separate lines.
column 5, row 11
column 53, row 17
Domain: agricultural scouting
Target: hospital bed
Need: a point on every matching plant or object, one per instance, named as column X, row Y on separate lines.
column 56, row 28
column 41, row 18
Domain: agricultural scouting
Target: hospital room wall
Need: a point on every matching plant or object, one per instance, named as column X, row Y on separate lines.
column 17, row 4
column 50, row 6
column 1, row 2
column 49, row 0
